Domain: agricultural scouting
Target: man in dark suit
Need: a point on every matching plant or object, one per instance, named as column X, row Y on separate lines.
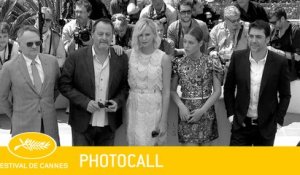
column 257, row 90
column 92, row 77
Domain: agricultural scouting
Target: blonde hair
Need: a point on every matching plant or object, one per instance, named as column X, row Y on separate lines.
column 139, row 28
column 231, row 11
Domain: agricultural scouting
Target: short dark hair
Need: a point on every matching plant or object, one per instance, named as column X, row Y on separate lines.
column 185, row 3
column 4, row 27
column 197, row 33
column 105, row 21
column 27, row 28
column 278, row 12
column 84, row 3
column 261, row 25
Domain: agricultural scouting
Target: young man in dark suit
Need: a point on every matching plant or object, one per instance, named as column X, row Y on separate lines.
column 94, row 79
column 257, row 90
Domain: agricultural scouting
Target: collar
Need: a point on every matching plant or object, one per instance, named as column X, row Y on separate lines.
column 46, row 34
column 262, row 60
column 94, row 53
column 29, row 61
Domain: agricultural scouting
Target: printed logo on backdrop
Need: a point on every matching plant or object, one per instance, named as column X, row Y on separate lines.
column 32, row 145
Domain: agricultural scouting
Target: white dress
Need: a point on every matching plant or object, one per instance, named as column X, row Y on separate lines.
column 144, row 104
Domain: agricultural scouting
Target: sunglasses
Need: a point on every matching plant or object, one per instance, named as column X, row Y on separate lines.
column 120, row 18
column 37, row 43
column 233, row 21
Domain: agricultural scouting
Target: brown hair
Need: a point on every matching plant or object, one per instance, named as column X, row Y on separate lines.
column 197, row 33
column 4, row 27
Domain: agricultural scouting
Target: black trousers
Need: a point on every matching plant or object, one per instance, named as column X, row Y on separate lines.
column 249, row 136
column 94, row 136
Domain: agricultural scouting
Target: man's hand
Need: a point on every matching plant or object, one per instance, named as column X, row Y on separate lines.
column 112, row 107
column 118, row 49
column 93, row 106
column 297, row 57
column 179, row 52
column 231, row 119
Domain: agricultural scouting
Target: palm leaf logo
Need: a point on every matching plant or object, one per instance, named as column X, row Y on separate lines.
column 32, row 145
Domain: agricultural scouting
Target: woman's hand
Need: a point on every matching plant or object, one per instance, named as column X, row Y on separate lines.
column 184, row 113
column 195, row 115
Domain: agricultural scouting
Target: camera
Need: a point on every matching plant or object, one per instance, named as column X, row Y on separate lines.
column 154, row 133
column 104, row 105
column 161, row 17
column 82, row 35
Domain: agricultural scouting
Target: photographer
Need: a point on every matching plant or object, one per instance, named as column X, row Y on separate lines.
column 52, row 43
column 120, row 6
column 77, row 33
column 158, row 10
column 203, row 11
column 123, row 30
column 8, row 48
column 185, row 23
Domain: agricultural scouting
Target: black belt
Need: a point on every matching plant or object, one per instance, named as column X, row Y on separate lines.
column 250, row 121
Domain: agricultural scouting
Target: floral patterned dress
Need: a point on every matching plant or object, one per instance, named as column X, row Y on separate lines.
column 144, row 104
column 196, row 80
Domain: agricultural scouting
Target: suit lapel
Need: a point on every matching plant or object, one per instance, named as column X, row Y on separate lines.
column 265, row 75
column 46, row 71
column 25, row 73
column 90, row 65
column 112, row 70
column 247, row 69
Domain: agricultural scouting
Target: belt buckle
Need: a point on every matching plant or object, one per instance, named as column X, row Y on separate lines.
column 253, row 123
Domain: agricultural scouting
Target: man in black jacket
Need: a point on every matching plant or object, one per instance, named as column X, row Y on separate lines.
column 94, row 79
column 257, row 90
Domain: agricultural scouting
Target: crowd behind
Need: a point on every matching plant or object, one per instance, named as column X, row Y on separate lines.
column 130, row 60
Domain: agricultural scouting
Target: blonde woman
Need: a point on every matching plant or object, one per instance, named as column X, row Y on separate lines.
column 149, row 80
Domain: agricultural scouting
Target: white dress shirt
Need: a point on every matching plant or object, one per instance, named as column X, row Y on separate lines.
column 99, row 118
column 256, row 72
column 38, row 66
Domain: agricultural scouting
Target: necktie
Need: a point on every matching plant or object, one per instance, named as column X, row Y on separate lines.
column 36, row 76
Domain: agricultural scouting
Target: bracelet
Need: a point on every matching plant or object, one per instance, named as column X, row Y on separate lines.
column 284, row 54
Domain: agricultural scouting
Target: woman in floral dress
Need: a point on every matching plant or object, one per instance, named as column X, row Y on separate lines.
column 200, row 78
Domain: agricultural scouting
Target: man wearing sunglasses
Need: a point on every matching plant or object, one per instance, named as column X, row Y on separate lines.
column 31, row 79
column 52, row 43
column 229, row 35
column 285, row 40
column 178, row 28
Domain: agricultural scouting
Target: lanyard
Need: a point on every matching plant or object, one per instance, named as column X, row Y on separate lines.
column 180, row 32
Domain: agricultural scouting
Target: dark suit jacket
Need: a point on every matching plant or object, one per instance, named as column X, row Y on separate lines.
column 77, row 83
column 274, row 94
